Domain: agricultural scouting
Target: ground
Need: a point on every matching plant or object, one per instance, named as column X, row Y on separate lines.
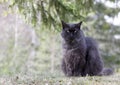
column 62, row 80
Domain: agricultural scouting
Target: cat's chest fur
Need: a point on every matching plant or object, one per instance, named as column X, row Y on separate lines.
column 75, row 56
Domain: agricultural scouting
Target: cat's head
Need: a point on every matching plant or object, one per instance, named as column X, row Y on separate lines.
column 71, row 32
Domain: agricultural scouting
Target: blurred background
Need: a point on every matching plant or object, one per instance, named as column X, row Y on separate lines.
column 30, row 40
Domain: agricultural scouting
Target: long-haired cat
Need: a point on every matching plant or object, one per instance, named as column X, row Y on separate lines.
column 81, row 54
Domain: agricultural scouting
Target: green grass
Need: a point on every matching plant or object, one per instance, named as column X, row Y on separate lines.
column 59, row 80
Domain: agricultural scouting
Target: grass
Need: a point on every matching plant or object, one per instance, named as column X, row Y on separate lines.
column 59, row 80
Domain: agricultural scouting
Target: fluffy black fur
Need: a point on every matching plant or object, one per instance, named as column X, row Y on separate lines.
column 81, row 54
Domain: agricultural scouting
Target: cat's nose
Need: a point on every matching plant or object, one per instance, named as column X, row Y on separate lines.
column 71, row 35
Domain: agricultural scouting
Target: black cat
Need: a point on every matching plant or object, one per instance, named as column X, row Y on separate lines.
column 81, row 54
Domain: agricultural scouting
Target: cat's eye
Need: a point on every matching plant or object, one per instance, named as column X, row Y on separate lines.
column 68, row 31
column 75, row 31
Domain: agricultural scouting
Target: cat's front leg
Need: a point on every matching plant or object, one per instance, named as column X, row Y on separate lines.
column 64, row 68
column 69, row 70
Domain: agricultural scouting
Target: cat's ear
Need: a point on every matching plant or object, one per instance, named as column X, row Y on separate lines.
column 78, row 25
column 64, row 24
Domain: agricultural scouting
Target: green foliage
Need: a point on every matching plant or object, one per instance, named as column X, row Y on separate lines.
column 50, row 12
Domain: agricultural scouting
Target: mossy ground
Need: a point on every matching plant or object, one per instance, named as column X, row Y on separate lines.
column 59, row 80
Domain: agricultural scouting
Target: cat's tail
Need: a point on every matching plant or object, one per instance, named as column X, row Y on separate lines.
column 106, row 72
